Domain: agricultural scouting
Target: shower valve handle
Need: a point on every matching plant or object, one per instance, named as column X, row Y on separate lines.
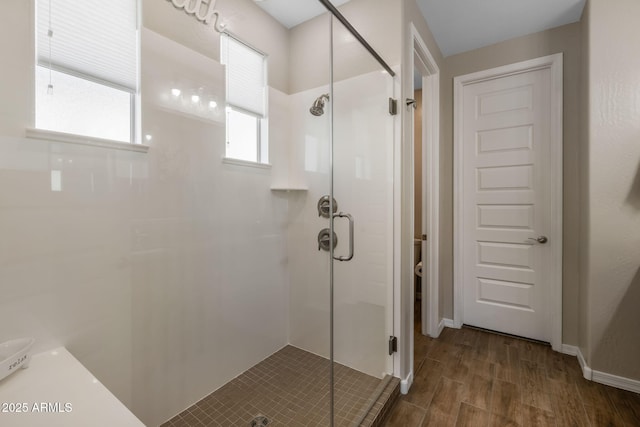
column 324, row 241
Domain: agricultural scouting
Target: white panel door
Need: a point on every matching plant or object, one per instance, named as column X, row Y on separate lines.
column 506, row 140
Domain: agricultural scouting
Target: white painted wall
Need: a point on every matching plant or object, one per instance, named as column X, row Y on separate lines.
column 583, row 254
column 611, row 278
column 241, row 17
column 17, row 41
column 378, row 21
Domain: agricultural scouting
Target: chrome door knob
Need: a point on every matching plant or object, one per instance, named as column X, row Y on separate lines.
column 540, row 239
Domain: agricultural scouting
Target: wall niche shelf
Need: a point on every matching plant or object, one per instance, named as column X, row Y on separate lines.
column 288, row 189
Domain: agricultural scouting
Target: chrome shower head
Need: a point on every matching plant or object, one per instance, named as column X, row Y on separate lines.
column 317, row 109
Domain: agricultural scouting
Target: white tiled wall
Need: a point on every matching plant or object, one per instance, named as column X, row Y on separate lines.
column 162, row 272
column 209, row 263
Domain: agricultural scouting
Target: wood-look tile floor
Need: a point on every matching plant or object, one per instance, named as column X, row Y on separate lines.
column 468, row 377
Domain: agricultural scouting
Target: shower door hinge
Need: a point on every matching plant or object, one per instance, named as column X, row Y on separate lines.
column 393, row 106
column 393, row 345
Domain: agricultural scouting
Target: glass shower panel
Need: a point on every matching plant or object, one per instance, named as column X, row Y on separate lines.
column 342, row 146
column 308, row 178
column 363, row 188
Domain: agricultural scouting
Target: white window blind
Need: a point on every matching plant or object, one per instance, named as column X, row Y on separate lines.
column 246, row 75
column 91, row 38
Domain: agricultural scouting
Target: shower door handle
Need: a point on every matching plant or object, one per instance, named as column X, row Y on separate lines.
column 350, row 218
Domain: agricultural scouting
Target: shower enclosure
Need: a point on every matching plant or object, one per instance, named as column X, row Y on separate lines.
column 175, row 274
column 339, row 191
column 338, row 186
column 341, row 223
column 239, row 294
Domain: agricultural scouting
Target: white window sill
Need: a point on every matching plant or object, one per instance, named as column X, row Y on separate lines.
column 49, row 135
column 238, row 162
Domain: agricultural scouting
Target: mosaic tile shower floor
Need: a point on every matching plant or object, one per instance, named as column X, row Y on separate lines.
column 290, row 388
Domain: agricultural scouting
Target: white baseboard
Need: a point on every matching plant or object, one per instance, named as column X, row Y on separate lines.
column 601, row 377
column 571, row 350
column 405, row 384
column 616, row 381
column 444, row 323
column 587, row 373
column 440, row 328
column 449, row 323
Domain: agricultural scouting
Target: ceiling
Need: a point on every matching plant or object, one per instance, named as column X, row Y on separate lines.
column 462, row 25
column 293, row 12
column 458, row 25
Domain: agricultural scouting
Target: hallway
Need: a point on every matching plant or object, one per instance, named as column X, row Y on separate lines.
column 469, row 377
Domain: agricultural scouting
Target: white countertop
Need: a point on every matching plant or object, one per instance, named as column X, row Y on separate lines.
column 57, row 390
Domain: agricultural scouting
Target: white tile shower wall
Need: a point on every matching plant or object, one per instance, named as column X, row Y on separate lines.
column 308, row 267
column 282, row 171
column 163, row 273
column 65, row 274
column 363, row 177
column 209, row 268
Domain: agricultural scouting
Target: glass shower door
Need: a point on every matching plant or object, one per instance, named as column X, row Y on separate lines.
column 340, row 305
column 362, row 186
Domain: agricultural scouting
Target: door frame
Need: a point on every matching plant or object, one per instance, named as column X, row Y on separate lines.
column 555, row 64
column 422, row 59
column 405, row 214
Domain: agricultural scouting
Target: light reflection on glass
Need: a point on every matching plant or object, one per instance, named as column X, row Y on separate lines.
column 311, row 154
column 202, row 104
column 56, row 180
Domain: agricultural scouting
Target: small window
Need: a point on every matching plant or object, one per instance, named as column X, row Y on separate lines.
column 246, row 103
column 86, row 71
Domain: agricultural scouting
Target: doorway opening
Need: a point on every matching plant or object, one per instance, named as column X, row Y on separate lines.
column 416, row 104
column 421, row 240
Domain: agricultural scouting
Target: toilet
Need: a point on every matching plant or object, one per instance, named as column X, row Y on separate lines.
column 417, row 261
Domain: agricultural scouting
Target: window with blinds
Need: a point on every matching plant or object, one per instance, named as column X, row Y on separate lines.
column 246, row 102
column 87, row 67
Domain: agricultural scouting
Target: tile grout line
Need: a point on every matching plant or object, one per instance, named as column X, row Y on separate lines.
column 417, row 406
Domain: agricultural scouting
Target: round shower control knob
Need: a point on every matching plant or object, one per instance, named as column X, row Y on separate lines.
column 324, row 206
column 324, row 239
